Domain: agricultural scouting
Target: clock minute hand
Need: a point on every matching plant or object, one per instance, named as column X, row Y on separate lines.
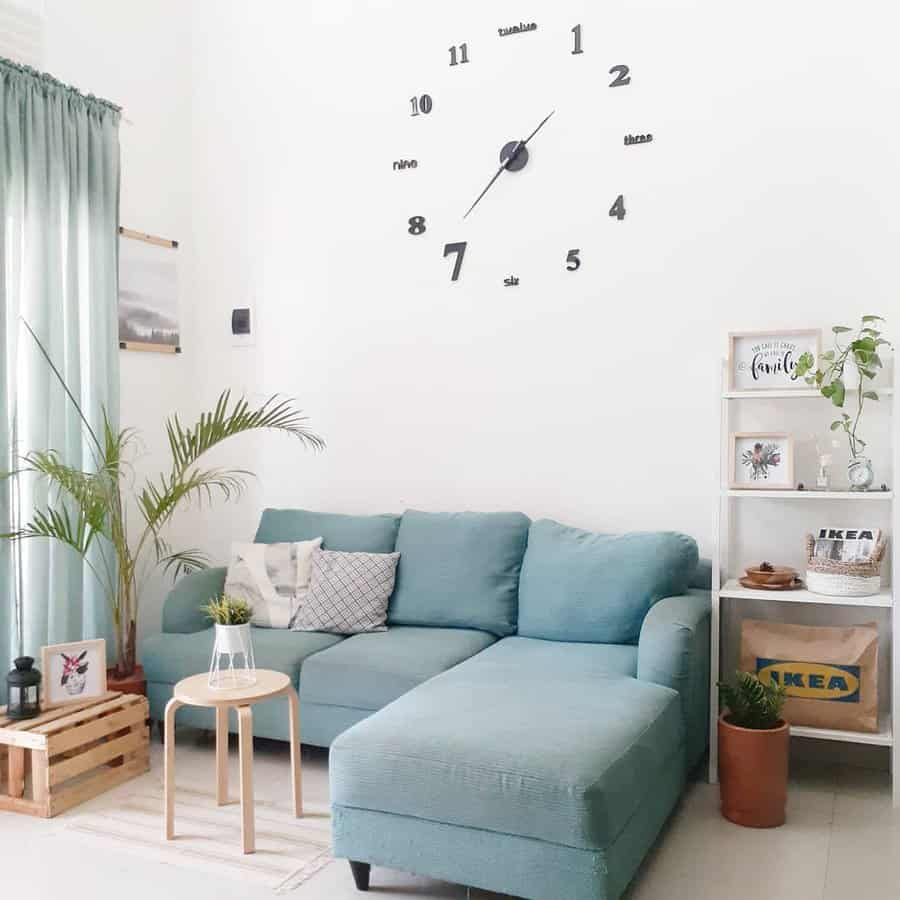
column 509, row 160
column 533, row 133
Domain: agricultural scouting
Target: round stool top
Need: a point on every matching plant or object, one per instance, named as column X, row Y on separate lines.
column 195, row 691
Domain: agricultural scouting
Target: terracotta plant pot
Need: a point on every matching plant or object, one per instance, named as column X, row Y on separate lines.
column 753, row 773
column 136, row 683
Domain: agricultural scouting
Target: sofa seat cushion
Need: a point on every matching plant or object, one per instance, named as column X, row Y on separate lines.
column 581, row 586
column 459, row 570
column 168, row 658
column 555, row 659
column 368, row 671
column 339, row 531
column 522, row 740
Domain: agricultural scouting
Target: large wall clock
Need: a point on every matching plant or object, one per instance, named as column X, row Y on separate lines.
column 515, row 138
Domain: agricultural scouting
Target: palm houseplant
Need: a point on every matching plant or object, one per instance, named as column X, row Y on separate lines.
column 117, row 523
column 857, row 354
column 754, row 742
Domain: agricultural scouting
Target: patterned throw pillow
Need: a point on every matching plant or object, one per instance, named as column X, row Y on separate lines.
column 348, row 592
column 272, row 578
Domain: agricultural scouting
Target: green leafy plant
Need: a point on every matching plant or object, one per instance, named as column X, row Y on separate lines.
column 88, row 511
column 862, row 351
column 228, row 610
column 752, row 704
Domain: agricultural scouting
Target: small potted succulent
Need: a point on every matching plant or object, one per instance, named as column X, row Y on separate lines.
column 753, row 752
column 232, row 662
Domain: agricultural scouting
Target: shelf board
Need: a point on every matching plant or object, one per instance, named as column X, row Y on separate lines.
column 733, row 589
column 788, row 394
column 811, row 495
column 884, row 737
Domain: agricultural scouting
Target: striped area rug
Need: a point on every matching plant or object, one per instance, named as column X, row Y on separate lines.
column 289, row 851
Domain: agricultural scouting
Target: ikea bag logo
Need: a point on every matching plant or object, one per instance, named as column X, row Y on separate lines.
column 811, row 680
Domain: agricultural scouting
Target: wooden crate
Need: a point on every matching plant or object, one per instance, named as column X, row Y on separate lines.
column 72, row 753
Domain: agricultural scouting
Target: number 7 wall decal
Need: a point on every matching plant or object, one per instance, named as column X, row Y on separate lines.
column 459, row 248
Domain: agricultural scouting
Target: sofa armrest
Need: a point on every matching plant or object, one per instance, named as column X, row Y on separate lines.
column 181, row 611
column 673, row 650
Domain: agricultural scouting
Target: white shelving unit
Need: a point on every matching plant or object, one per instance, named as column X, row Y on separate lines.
column 727, row 590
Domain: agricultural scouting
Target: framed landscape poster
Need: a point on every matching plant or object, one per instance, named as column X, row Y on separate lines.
column 766, row 360
column 762, row 461
column 148, row 293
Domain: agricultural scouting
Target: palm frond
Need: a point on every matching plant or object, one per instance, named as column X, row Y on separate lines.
column 89, row 491
column 184, row 562
column 59, row 525
column 188, row 443
column 159, row 499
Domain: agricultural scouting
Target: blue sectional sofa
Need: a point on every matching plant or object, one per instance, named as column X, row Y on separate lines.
column 526, row 723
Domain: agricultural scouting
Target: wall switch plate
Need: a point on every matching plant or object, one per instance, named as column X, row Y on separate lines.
column 242, row 325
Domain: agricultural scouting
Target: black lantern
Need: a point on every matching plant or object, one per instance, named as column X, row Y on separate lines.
column 24, row 683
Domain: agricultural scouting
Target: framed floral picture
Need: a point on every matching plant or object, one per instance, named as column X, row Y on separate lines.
column 762, row 461
column 73, row 672
column 767, row 360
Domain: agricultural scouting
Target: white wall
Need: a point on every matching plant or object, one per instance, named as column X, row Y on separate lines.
column 767, row 199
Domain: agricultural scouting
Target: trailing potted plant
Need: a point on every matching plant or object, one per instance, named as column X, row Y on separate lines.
column 753, row 752
column 232, row 663
column 89, row 511
column 861, row 355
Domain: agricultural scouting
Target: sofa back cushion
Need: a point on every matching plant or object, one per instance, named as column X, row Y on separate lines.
column 459, row 570
column 352, row 534
column 582, row 586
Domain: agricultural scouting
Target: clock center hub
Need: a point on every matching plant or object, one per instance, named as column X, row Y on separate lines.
column 514, row 155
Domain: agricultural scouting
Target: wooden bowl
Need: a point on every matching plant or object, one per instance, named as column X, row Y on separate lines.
column 778, row 575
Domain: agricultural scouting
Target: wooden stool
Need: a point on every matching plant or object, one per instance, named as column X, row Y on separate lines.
column 195, row 691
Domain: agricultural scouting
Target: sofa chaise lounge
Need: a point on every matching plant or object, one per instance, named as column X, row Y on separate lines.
column 526, row 722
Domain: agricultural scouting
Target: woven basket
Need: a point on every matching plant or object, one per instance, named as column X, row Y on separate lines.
column 841, row 579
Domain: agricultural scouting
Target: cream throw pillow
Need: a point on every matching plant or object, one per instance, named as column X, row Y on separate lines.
column 272, row 578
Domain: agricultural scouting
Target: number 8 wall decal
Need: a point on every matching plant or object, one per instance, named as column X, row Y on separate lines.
column 514, row 154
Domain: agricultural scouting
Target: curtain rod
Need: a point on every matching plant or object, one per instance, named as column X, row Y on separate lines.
column 49, row 79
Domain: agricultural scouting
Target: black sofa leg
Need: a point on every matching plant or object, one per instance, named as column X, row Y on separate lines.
column 360, row 874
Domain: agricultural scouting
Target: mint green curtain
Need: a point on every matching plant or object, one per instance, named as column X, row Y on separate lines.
column 59, row 218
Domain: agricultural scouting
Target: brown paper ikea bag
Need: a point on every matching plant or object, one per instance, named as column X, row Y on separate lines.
column 831, row 673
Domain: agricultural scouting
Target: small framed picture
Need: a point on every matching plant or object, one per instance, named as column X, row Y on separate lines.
column 73, row 672
column 762, row 461
column 767, row 360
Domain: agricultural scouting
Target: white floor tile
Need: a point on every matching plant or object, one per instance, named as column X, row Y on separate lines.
column 701, row 855
column 865, row 849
